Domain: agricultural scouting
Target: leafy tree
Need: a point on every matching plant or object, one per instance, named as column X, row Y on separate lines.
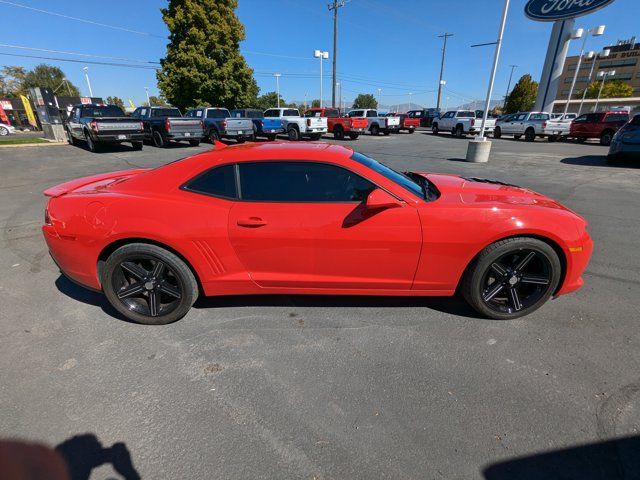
column 315, row 103
column 365, row 100
column 11, row 79
column 157, row 101
column 611, row 89
column 48, row 76
column 116, row 101
column 268, row 100
column 523, row 96
column 203, row 63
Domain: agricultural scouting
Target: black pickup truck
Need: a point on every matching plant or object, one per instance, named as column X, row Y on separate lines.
column 103, row 124
column 165, row 124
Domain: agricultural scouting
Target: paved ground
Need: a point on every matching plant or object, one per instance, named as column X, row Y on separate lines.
column 342, row 388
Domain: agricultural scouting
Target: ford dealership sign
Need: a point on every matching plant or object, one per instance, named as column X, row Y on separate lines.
column 552, row 10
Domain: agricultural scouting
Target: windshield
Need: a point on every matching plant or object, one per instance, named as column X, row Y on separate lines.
column 399, row 178
column 102, row 111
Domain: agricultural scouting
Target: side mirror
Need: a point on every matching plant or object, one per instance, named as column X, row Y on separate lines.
column 381, row 200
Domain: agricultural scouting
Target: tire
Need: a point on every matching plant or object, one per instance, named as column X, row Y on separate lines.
column 4, row 132
column 552, row 138
column 458, row 132
column 214, row 136
column 293, row 134
column 375, row 129
column 338, row 133
column 70, row 139
column 194, row 143
column 240, row 140
column 315, row 136
column 530, row 135
column 581, row 139
column 517, row 137
column 386, row 132
column 158, row 139
column 93, row 146
column 175, row 284
column 137, row 145
column 606, row 137
column 490, row 291
column 271, row 137
column 434, row 129
column 411, row 130
column 497, row 132
column 354, row 136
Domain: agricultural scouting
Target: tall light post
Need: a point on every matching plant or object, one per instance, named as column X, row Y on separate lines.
column 596, row 32
column 604, row 75
column 322, row 56
column 146, row 90
column 334, row 7
column 506, row 95
column 441, row 83
column 86, row 75
column 410, row 104
column 339, row 87
column 592, row 56
column 379, row 90
column 277, row 75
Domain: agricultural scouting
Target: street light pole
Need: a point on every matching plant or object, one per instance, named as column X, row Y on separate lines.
column 379, row 90
column 410, row 104
column 321, row 55
column 592, row 55
column 334, row 7
column 597, row 31
column 513, row 67
column 445, row 36
column 604, row 76
column 146, row 90
column 86, row 75
column 277, row 75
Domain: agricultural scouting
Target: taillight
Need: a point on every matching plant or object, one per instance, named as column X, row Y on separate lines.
column 308, row 122
column 94, row 125
column 167, row 125
column 141, row 126
column 224, row 124
column 201, row 124
column 544, row 124
column 473, row 122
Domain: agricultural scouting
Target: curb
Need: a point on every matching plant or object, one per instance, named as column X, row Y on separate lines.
column 39, row 144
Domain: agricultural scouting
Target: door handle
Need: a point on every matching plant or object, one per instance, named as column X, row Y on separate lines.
column 251, row 222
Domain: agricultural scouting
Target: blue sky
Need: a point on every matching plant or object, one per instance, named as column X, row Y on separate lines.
column 387, row 44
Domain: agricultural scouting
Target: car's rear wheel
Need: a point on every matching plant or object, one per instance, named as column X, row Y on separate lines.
column 497, row 132
column 271, row 137
column 375, row 129
column 411, row 130
column 214, row 136
column 137, row 145
column 194, row 143
column 70, row 138
column 512, row 278
column 530, row 135
column 148, row 284
column 4, row 132
column 458, row 131
column 293, row 134
column 606, row 137
column 91, row 144
column 158, row 140
column 338, row 133
column 434, row 129
column 353, row 135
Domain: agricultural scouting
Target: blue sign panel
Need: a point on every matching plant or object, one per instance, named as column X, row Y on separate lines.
column 552, row 10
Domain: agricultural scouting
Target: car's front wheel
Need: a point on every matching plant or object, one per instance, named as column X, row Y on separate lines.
column 512, row 278
column 4, row 132
column 434, row 129
column 148, row 284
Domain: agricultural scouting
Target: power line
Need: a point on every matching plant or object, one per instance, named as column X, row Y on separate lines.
column 111, row 64
column 84, row 20
column 22, row 47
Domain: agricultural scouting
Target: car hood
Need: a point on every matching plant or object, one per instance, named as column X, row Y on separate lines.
column 485, row 192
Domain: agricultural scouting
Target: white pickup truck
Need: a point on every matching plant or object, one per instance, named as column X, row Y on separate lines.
column 377, row 123
column 297, row 126
column 461, row 123
column 558, row 126
column 529, row 124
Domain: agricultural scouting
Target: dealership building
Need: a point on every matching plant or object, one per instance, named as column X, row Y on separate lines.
column 623, row 59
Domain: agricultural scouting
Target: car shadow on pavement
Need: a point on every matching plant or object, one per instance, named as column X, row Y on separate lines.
column 617, row 459
column 600, row 161
column 450, row 305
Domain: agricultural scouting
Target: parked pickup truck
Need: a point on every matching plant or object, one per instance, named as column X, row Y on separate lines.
column 461, row 123
column 165, row 124
column 600, row 125
column 339, row 126
column 262, row 127
column 558, row 126
column 529, row 124
column 219, row 124
column 406, row 122
column 426, row 115
column 103, row 124
column 297, row 126
column 376, row 123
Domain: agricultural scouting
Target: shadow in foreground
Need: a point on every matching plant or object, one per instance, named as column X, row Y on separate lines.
column 83, row 453
column 610, row 460
column 601, row 161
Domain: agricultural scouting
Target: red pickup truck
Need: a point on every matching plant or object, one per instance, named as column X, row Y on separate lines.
column 406, row 122
column 601, row 125
column 339, row 126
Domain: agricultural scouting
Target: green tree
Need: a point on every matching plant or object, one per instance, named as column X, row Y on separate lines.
column 365, row 100
column 116, row 101
column 157, row 101
column 48, row 76
column 268, row 100
column 611, row 89
column 523, row 96
column 315, row 103
column 11, row 80
column 203, row 63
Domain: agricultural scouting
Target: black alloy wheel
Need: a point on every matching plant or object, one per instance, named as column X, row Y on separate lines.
column 158, row 139
column 512, row 278
column 148, row 284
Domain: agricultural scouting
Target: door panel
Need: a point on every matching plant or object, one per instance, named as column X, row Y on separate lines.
column 326, row 245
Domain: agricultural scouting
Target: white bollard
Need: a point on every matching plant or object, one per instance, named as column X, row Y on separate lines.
column 478, row 150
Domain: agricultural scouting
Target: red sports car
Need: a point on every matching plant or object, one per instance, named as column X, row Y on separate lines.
column 309, row 219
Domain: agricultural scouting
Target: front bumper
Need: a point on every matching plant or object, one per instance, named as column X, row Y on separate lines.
column 577, row 260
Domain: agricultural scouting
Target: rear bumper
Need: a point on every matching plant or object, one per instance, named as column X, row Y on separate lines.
column 310, row 131
column 238, row 133
column 118, row 137
column 392, row 128
column 270, row 131
column 195, row 135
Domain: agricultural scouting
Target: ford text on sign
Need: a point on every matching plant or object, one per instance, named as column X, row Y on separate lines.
column 552, row 10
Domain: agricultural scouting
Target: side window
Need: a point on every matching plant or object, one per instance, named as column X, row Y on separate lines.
column 372, row 113
column 219, row 182
column 271, row 114
column 301, row 182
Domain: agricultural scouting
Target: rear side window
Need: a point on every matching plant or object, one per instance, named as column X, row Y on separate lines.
column 291, row 112
column 219, row 182
column 539, row 116
column 331, row 113
column 218, row 113
column 372, row 113
column 272, row 113
column 467, row 114
column 301, row 182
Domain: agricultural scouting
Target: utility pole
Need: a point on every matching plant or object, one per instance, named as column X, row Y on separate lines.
column 277, row 75
column 334, row 7
column 86, row 75
column 444, row 52
column 513, row 67
column 148, row 99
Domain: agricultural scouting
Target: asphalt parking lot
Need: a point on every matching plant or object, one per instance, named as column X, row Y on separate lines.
column 332, row 387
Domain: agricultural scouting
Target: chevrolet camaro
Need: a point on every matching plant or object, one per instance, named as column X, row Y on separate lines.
column 284, row 218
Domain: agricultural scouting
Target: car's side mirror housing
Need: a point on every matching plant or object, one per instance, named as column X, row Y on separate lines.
column 378, row 199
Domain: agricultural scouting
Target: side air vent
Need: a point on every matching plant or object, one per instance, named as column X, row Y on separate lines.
column 210, row 256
